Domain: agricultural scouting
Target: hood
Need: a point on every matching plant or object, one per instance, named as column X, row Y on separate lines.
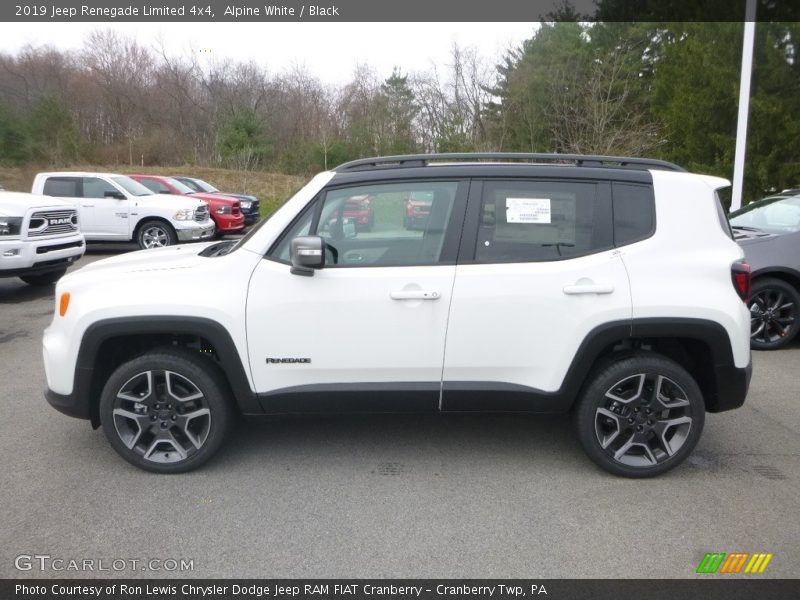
column 175, row 201
column 214, row 198
column 184, row 256
column 247, row 197
column 16, row 204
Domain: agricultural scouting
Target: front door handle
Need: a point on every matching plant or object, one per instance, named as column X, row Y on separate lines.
column 586, row 288
column 415, row 295
column 87, row 205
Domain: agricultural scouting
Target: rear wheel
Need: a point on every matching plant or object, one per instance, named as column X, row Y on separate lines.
column 640, row 416
column 774, row 317
column 166, row 411
column 48, row 278
column 155, row 234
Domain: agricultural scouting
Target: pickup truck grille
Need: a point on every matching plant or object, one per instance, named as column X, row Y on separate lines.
column 201, row 214
column 52, row 222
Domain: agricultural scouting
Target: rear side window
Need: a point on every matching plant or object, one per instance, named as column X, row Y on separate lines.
column 524, row 221
column 62, row 187
column 634, row 213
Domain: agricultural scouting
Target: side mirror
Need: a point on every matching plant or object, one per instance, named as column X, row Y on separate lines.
column 307, row 254
column 115, row 195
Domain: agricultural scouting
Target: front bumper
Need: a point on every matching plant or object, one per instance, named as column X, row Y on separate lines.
column 39, row 256
column 67, row 404
column 229, row 223
column 201, row 231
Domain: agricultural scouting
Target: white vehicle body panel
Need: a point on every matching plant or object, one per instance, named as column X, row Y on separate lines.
column 515, row 323
column 346, row 321
column 25, row 250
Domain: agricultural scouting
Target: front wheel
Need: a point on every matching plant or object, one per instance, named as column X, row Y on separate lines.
column 774, row 314
column 155, row 234
column 44, row 279
column 640, row 415
column 166, row 411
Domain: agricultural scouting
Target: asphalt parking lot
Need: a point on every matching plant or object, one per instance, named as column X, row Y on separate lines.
column 420, row 496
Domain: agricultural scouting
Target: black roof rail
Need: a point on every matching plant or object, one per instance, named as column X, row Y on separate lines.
column 579, row 160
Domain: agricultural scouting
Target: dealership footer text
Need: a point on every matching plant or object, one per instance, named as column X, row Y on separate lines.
column 253, row 590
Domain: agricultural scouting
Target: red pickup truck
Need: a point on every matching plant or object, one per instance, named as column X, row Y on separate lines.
column 225, row 211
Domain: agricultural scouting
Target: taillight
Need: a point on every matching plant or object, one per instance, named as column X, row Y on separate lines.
column 740, row 274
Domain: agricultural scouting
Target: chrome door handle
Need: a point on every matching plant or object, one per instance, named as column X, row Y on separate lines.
column 597, row 288
column 415, row 295
column 87, row 205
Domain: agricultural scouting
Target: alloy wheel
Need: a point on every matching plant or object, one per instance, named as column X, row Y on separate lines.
column 644, row 420
column 162, row 416
column 772, row 315
column 154, row 237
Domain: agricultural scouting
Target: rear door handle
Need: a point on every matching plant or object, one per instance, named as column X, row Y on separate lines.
column 87, row 205
column 415, row 295
column 594, row 288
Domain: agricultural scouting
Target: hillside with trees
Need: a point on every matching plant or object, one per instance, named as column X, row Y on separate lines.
column 665, row 90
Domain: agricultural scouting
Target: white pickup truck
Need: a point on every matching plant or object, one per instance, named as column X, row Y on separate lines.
column 39, row 237
column 117, row 208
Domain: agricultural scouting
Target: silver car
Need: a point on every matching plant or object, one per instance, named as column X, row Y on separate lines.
column 769, row 232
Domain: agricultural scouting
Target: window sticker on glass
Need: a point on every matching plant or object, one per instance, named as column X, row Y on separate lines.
column 527, row 210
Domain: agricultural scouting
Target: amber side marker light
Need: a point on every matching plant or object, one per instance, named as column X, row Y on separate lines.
column 63, row 304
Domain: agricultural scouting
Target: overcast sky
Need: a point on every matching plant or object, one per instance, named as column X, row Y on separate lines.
column 329, row 51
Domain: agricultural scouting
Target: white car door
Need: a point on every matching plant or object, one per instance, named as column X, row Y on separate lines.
column 109, row 206
column 537, row 273
column 366, row 332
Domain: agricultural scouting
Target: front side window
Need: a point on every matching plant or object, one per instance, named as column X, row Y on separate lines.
column 97, row 188
column 528, row 221
column 378, row 225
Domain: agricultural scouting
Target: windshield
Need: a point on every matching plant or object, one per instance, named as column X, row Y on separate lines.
column 202, row 186
column 181, row 187
column 771, row 215
column 132, row 187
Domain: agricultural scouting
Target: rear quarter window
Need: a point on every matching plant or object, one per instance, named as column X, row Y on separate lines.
column 634, row 212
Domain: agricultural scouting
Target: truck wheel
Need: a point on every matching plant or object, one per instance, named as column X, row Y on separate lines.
column 640, row 415
column 155, row 234
column 774, row 314
column 48, row 278
column 166, row 411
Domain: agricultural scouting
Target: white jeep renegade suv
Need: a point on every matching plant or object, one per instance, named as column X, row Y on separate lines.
column 537, row 283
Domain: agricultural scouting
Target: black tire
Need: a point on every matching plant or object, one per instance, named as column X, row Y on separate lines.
column 155, row 234
column 621, row 395
column 166, row 411
column 48, row 278
column 774, row 314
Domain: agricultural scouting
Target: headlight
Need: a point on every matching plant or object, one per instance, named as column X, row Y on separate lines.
column 246, row 204
column 10, row 225
column 185, row 214
column 223, row 210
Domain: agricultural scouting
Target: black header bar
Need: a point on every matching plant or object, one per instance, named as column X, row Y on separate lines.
column 393, row 11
